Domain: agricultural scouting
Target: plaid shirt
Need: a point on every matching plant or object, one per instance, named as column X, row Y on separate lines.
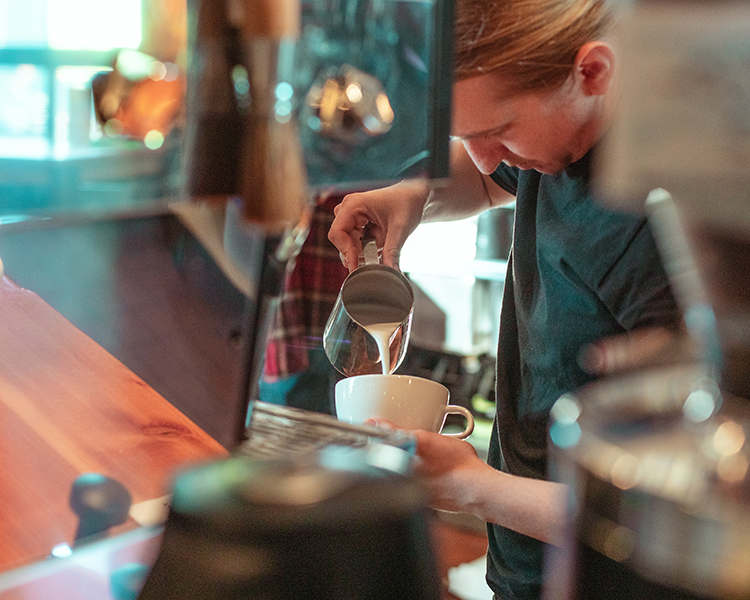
column 310, row 291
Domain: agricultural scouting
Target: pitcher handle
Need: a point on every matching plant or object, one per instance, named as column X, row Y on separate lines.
column 370, row 250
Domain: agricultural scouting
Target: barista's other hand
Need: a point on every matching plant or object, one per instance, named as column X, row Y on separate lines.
column 450, row 469
column 447, row 467
column 650, row 346
column 390, row 214
column 382, row 423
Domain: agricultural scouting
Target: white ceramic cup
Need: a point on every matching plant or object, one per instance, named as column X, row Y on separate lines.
column 404, row 400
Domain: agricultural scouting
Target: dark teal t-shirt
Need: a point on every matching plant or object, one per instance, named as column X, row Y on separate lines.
column 578, row 272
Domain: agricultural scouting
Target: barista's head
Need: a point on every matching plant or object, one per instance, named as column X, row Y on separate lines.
column 531, row 43
column 534, row 80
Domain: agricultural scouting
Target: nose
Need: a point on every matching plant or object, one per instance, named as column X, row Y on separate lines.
column 485, row 154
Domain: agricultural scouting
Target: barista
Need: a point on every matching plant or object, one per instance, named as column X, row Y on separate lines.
column 535, row 87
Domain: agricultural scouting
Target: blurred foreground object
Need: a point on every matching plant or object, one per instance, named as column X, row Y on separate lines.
column 683, row 118
column 683, row 124
column 100, row 503
column 273, row 177
column 340, row 524
column 657, row 460
column 657, row 464
column 639, row 349
column 245, row 147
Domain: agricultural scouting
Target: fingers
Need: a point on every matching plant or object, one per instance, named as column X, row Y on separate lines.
column 346, row 234
column 347, row 230
column 382, row 423
column 389, row 214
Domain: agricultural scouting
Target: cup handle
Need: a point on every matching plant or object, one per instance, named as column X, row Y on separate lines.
column 454, row 409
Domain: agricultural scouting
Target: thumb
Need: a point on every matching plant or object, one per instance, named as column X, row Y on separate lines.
column 391, row 256
column 382, row 423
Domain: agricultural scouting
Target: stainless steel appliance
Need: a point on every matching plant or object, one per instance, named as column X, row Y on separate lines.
column 371, row 294
column 660, row 494
column 344, row 522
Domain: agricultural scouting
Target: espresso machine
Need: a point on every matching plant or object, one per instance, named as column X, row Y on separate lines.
column 657, row 459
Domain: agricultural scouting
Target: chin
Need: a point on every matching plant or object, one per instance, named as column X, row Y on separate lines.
column 519, row 164
column 527, row 165
column 554, row 168
column 548, row 170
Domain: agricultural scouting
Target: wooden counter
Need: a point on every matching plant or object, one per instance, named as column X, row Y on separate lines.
column 68, row 407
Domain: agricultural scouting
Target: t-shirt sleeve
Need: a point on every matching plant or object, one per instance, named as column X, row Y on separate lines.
column 637, row 291
column 615, row 254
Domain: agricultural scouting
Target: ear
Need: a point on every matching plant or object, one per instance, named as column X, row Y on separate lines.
column 595, row 67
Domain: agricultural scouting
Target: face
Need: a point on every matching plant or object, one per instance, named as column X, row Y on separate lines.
column 545, row 131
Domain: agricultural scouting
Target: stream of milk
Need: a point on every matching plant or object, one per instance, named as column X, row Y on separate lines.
column 382, row 332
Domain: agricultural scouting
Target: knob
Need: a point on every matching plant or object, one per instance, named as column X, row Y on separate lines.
column 100, row 503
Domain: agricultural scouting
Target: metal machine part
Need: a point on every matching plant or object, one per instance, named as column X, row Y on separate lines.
column 657, row 465
column 276, row 432
column 371, row 294
column 325, row 525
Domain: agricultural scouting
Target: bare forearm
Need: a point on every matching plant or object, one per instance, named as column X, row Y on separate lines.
column 465, row 194
column 532, row 507
column 458, row 480
column 391, row 214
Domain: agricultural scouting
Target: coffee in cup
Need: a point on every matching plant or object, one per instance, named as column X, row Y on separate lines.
column 404, row 400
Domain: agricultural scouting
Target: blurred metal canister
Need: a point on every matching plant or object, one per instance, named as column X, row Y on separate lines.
column 659, row 490
column 214, row 131
column 326, row 525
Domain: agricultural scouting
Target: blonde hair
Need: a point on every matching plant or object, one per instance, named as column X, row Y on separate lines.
column 531, row 42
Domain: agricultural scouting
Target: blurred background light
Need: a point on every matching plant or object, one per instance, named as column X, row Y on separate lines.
column 153, row 140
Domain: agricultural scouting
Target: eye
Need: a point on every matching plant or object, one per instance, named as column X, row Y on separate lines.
column 497, row 133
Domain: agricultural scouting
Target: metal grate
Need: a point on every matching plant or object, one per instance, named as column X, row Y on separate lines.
column 281, row 431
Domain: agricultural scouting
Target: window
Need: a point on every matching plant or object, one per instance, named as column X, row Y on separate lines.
column 53, row 155
column 93, row 24
column 70, row 24
column 49, row 51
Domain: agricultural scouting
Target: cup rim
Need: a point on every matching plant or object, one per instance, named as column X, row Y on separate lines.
column 392, row 375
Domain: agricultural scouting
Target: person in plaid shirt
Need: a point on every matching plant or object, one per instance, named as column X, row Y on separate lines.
column 297, row 372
